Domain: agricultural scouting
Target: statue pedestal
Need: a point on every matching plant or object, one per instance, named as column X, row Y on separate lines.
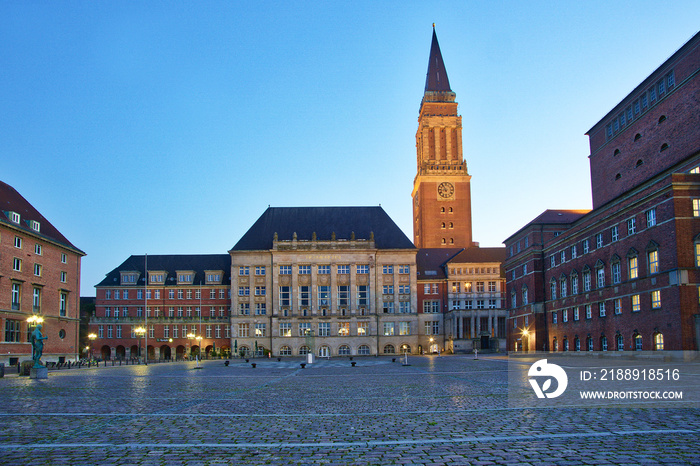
column 39, row 373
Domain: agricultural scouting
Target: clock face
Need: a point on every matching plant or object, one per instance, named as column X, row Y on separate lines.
column 446, row 189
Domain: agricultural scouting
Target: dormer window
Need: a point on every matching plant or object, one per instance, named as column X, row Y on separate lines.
column 156, row 277
column 213, row 276
column 129, row 278
column 36, row 226
column 14, row 217
column 185, row 277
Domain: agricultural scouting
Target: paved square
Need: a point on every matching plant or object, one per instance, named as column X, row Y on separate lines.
column 437, row 410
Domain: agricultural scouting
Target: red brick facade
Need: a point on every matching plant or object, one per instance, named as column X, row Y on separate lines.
column 39, row 278
column 623, row 276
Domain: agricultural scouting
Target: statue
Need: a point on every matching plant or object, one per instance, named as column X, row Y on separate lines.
column 37, row 346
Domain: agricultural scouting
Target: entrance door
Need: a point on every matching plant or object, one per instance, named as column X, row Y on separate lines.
column 485, row 342
column 324, row 352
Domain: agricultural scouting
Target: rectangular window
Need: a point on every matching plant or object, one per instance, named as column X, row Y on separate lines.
column 260, row 309
column 585, row 246
column 388, row 289
column 304, row 328
column 18, row 242
column 324, row 269
column 324, row 296
column 404, row 269
column 260, row 291
column 388, row 307
column 243, row 329
column 404, row 307
column 631, row 226
column 243, row 291
column 16, row 264
column 635, row 303
column 565, row 315
column 651, row 217
column 362, row 295
column 243, row 309
column 573, row 251
column 260, row 270
column 343, row 329
column 37, row 270
column 343, row 269
column 633, row 267
column 576, row 314
column 285, row 269
column 601, row 277
column 404, row 328
column 363, row 268
column 618, row 306
column 599, row 240
column 343, row 295
column 616, row 275
column 388, row 328
column 588, row 311
column 243, row 270
column 12, row 330
column 324, row 329
column 260, row 330
column 362, row 329
column 304, row 296
column 586, row 281
column 63, row 304
column 656, row 299
column 653, row 258
column 304, row 270
column 388, row 269
column 554, row 317
column 285, row 329
column 431, row 307
column 614, row 234
column 16, row 294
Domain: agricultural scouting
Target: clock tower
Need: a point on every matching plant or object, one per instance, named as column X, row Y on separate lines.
column 442, row 214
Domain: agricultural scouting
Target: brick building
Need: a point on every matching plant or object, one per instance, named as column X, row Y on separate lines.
column 39, row 278
column 183, row 306
column 623, row 276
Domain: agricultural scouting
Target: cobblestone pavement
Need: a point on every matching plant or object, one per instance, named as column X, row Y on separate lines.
column 437, row 410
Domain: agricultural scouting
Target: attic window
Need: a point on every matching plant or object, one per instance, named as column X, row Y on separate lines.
column 618, row 176
column 662, row 118
column 640, row 162
column 14, row 217
column 616, row 153
column 36, row 226
column 637, row 136
column 664, row 146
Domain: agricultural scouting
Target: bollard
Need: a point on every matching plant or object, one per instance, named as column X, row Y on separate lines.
column 353, row 363
column 303, row 365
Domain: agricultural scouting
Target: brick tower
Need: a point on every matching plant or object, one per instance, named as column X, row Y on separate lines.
column 442, row 215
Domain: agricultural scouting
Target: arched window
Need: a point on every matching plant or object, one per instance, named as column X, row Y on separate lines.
column 562, row 286
column 637, row 136
column 555, row 344
column 662, row 118
column 389, row 349
column 577, row 344
column 443, row 225
column 304, row 350
column 285, row 351
column 566, row 344
column 658, row 341
column 524, row 293
column 513, row 299
column 619, row 342
column 616, row 153
column 617, row 177
column 344, row 350
column 640, row 162
column 363, row 350
column 589, row 343
column 637, row 342
column 603, row 343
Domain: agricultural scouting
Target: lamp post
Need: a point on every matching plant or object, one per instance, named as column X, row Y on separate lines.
column 91, row 337
column 526, row 334
column 140, row 331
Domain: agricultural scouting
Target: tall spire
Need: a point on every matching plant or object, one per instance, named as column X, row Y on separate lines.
column 436, row 80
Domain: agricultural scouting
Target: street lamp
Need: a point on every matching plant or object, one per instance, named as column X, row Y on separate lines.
column 91, row 337
column 140, row 331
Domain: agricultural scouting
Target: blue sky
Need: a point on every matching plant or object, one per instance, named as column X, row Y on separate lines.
column 169, row 127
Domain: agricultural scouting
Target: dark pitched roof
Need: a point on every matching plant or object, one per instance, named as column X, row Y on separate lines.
column 431, row 262
column 559, row 216
column 12, row 201
column 324, row 221
column 170, row 264
column 479, row 255
column 436, row 79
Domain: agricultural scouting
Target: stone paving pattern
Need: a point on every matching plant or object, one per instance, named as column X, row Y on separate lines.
column 439, row 410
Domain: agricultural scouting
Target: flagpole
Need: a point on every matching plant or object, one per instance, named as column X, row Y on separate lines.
column 145, row 297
